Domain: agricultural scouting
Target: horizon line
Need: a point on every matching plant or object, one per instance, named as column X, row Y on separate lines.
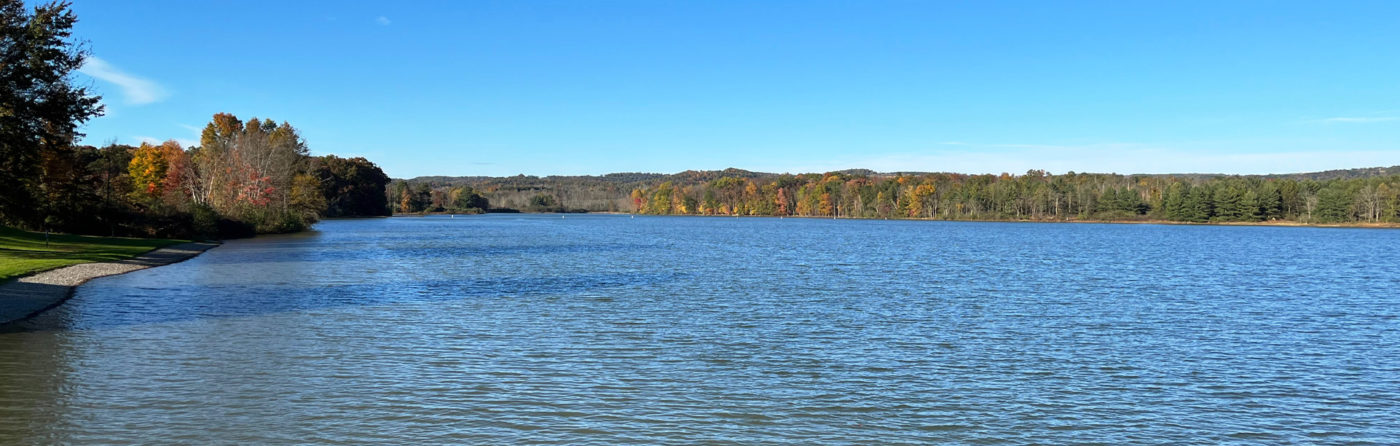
column 904, row 172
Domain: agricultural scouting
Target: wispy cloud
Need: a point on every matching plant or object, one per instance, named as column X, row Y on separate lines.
column 137, row 90
column 1362, row 119
column 382, row 21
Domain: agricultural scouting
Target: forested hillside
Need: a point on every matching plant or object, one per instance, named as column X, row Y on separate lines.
column 1341, row 174
column 1348, row 196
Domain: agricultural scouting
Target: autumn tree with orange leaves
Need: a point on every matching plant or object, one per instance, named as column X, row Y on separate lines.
column 253, row 171
column 158, row 170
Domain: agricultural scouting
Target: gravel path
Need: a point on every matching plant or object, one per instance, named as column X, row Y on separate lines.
column 30, row 295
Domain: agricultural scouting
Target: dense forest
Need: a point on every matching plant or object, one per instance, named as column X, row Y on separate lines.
column 244, row 177
column 1348, row 196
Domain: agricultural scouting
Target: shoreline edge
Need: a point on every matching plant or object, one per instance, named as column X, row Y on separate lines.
column 28, row 296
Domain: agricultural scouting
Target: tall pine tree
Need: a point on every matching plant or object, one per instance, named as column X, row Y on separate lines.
column 40, row 107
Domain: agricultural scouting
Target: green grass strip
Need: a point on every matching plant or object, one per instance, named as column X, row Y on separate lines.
column 24, row 252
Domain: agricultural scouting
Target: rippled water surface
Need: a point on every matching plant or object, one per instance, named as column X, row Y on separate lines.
column 609, row 330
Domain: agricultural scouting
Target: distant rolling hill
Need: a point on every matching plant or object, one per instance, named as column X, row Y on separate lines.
column 698, row 176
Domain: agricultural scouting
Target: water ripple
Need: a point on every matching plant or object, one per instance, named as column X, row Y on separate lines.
column 611, row 330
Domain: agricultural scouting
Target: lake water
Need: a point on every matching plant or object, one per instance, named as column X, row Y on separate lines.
column 534, row 329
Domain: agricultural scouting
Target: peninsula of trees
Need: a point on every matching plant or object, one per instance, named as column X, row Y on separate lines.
column 244, row 178
column 1335, row 197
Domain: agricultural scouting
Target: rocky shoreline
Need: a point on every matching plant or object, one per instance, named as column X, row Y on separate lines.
column 28, row 296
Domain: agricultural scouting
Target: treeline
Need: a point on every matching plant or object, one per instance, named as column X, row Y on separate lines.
column 511, row 194
column 421, row 197
column 1036, row 195
column 606, row 193
column 244, row 177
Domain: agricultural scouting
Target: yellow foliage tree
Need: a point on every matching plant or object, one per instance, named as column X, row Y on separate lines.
column 156, row 169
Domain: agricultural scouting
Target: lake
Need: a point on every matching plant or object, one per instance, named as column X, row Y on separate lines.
column 605, row 329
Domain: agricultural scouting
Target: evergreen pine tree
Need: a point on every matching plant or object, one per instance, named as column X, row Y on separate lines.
column 1249, row 207
column 1227, row 203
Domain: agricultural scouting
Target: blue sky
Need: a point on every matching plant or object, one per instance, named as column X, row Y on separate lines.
column 591, row 87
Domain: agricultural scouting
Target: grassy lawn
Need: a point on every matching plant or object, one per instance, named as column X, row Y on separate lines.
column 23, row 252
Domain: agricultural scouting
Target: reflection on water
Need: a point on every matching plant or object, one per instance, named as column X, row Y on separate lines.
column 608, row 329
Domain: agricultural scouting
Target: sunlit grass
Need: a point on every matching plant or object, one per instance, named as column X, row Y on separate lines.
column 23, row 252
